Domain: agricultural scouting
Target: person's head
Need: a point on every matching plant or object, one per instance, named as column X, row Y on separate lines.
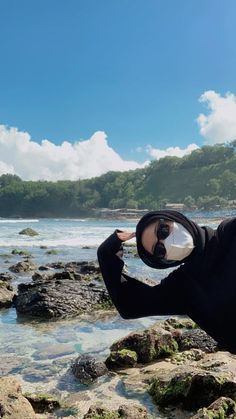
column 162, row 239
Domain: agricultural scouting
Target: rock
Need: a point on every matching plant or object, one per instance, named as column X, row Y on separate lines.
column 180, row 323
column 56, row 265
column 149, row 344
column 5, row 276
column 24, row 266
column 43, row 268
column 38, row 276
column 42, row 403
column 21, row 252
column 29, row 232
column 191, row 387
column 133, row 412
column 60, row 298
column 67, row 275
column 83, row 267
column 6, row 294
column 224, row 407
column 12, row 403
column 52, row 252
column 41, row 276
column 122, row 358
column 96, row 412
column 185, row 356
column 197, row 338
column 87, row 369
column 43, row 247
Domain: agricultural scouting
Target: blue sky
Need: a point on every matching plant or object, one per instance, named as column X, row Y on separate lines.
column 134, row 69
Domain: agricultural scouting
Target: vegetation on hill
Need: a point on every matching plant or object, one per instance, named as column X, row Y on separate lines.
column 203, row 179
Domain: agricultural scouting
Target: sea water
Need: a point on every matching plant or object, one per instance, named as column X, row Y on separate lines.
column 39, row 353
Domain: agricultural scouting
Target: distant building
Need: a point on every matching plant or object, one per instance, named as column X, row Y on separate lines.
column 174, row 206
column 120, row 212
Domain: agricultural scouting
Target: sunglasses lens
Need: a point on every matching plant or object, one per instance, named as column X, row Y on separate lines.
column 163, row 231
column 159, row 251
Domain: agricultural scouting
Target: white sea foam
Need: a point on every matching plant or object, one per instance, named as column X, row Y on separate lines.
column 71, row 242
column 69, row 219
column 7, row 221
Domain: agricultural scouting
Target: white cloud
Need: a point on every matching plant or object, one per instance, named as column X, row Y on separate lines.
column 6, row 168
column 20, row 155
column 170, row 151
column 219, row 125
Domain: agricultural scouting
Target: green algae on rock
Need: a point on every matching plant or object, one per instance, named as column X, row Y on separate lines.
column 21, row 252
column 185, row 356
column 222, row 408
column 192, row 387
column 29, row 232
column 52, row 252
column 150, row 344
column 173, row 323
column 132, row 411
column 122, row 358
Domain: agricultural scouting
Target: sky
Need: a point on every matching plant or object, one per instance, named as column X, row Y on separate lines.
column 88, row 86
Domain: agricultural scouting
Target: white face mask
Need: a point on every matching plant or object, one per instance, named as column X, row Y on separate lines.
column 179, row 243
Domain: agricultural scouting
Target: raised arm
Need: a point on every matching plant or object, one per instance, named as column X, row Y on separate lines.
column 131, row 297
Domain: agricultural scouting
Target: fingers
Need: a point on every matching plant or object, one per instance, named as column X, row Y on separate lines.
column 126, row 235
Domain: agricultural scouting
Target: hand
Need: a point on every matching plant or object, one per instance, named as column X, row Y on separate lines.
column 125, row 235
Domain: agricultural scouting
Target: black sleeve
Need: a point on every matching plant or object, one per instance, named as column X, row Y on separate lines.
column 131, row 297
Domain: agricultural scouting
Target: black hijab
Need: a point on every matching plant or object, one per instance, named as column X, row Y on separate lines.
column 197, row 233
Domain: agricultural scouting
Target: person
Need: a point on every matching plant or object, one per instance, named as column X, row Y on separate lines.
column 203, row 285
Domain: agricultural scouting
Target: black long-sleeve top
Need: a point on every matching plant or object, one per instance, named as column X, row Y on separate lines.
column 204, row 290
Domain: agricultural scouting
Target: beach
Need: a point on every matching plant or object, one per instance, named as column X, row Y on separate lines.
column 39, row 352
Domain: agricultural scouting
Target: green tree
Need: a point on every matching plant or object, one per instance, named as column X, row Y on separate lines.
column 189, row 202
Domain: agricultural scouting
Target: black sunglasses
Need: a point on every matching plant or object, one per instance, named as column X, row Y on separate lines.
column 162, row 231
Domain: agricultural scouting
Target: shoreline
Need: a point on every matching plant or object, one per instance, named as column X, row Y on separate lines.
column 199, row 213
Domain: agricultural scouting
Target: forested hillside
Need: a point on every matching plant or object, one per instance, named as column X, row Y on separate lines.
column 205, row 178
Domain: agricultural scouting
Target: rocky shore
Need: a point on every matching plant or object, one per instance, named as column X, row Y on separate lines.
column 173, row 363
column 74, row 290
column 172, row 369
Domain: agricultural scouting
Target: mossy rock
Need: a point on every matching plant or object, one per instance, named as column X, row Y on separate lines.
column 29, row 232
column 222, row 408
column 123, row 358
column 132, row 411
column 42, row 403
column 150, row 344
column 186, row 356
column 52, row 252
column 174, row 323
column 106, row 304
column 96, row 412
column 21, row 252
column 197, row 338
column 192, row 388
